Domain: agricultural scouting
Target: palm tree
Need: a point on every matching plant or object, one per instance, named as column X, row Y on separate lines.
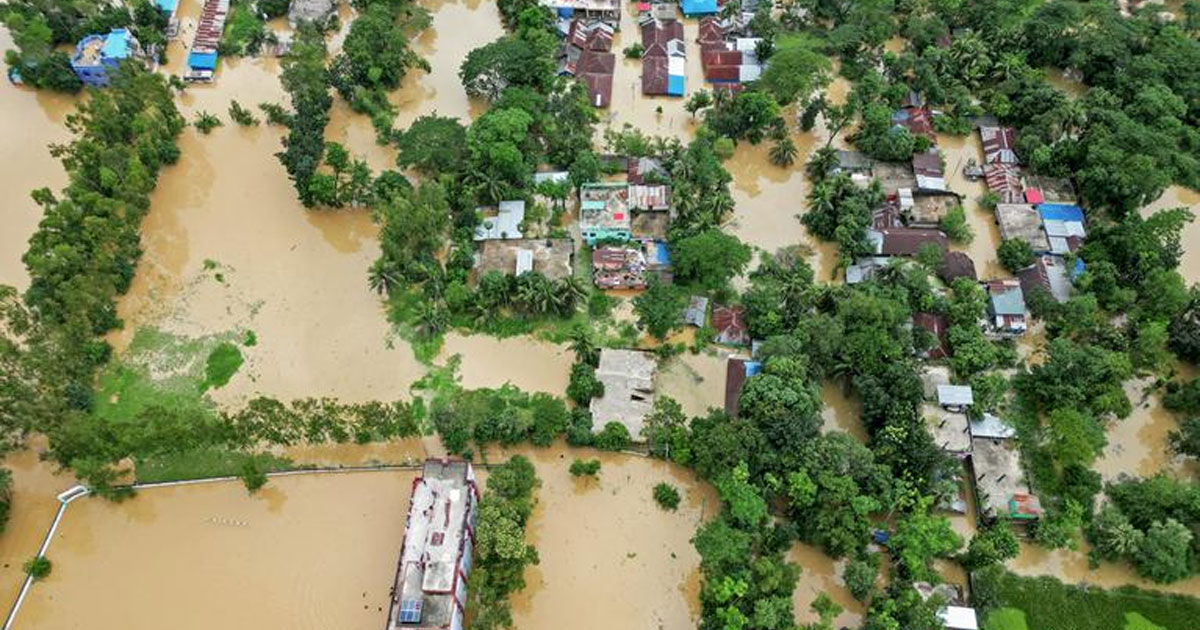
column 783, row 153
column 584, row 346
column 432, row 319
column 382, row 277
column 574, row 288
column 822, row 163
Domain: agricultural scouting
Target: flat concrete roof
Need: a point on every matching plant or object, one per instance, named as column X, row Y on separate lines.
column 949, row 429
column 628, row 377
column 1022, row 221
column 998, row 474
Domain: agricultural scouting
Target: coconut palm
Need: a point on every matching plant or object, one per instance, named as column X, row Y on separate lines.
column 432, row 319
column 822, row 163
column 783, row 153
column 382, row 277
column 584, row 346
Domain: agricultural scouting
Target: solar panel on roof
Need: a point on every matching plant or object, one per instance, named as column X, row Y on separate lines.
column 410, row 611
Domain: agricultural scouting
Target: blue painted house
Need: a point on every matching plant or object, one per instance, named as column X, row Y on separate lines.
column 96, row 55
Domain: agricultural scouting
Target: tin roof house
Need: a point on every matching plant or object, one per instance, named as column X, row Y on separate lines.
column 202, row 58
column 96, row 55
column 664, row 58
column 999, row 145
column 609, row 10
column 505, row 224
column 1006, row 307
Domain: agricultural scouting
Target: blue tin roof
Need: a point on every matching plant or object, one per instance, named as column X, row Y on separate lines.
column 202, row 61
column 1060, row 212
column 699, row 7
column 166, row 6
column 675, row 85
column 116, row 45
column 753, row 368
column 661, row 255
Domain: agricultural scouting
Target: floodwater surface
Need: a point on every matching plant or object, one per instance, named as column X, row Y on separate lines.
column 35, row 486
column 32, row 121
column 530, row 365
column 957, row 151
column 695, row 381
column 1180, row 197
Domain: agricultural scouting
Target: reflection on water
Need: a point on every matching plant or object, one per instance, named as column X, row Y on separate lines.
column 1180, row 197
column 820, row 574
column 311, row 551
column 610, row 557
column 35, row 486
column 317, row 551
column 32, row 120
column 841, row 411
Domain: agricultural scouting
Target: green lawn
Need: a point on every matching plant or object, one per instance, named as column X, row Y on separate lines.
column 1048, row 604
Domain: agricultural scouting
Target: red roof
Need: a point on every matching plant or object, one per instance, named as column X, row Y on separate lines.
column 654, row 75
column 1005, row 181
column 591, row 62
column 735, row 379
column 655, row 32
column 730, row 74
column 600, row 87
column 730, row 322
column 1033, row 195
column 936, row 325
column 721, row 58
column 908, row 241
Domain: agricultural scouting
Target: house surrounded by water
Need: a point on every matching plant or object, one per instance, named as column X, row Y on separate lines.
column 97, row 55
column 431, row 579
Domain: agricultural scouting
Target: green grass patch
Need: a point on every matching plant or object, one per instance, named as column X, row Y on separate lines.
column 1134, row 621
column 158, row 369
column 205, row 462
column 240, row 27
column 1048, row 604
column 223, row 362
column 1006, row 619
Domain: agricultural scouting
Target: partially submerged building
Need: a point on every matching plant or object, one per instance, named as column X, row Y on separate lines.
column 430, row 590
column 865, row 268
column 1022, row 222
column 550, row 257
column 1063, row 224
column 318, row 11
column 696, row 313
column 927, row 207
column 929, row 170
column 97, row 55
column 628, row 378
column 726, row 59
column 956, row 265
column 999, row 145
column 202, row 58
column 1001, row 488
column 1005, row 181
column 608, row 10
column 587, row 55
column 955, row 397
column 664, row 58
column 737, row 370
column 730, row 324
column 1048, row 273
column 906, row 241
column 917, row 120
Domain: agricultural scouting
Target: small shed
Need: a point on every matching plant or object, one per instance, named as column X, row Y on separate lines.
column 958, row 618
column 696, row 312
column 992, row 427
column 955, row 397
column 737, row 370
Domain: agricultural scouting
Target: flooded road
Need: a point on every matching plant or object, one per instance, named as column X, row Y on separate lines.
column 957, row 151
column 35, row 486
column 1072, row 567
column 32, row 120
column 629, row 105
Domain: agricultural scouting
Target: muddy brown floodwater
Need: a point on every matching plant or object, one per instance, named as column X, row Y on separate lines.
column 957, row 151
column 32, row 120
column 210, row 555
column 696, row 381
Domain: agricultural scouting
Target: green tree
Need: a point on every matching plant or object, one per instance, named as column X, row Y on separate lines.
column 1015, row 254
column 585, row 468
column 666, row 496
column 38, row 567
column 613, row 437
column 709, row 259
column 659, row 308
column 1165, row 555
column 1113, row 537
column 1073, row 437
column 583, row 385
column 797, row 69
column 993, row 544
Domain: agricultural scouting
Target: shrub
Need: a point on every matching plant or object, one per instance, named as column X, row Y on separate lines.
column 584, row 386
column 206, row 122
column 634, row 51
column 585, row 467
column 241, row 115
column 38, row 567
column 223, row 363
column 954, row 224
column 666, row 496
